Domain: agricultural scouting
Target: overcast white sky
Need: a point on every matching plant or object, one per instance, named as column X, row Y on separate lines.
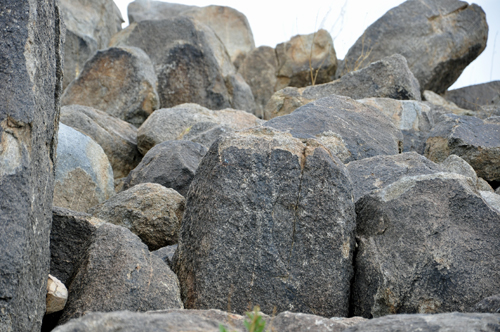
column 275, row 21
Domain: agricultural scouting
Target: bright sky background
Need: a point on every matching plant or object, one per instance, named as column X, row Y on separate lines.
column 275, row 21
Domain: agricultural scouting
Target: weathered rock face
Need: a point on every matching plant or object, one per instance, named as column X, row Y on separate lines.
column 172, row 164
column 474, row 140
column 418, row 238
column 117, row 138
column 149, row 210
column 489, row 305
column 387, row 78
column 120, row 81
column 31, row 76
column 90, row 24
column 380, row 171
column 349, row 129
column 177, row 122
column 474, row 96
column 455, row 164
column 427, row 323
column 119, row 273
column 84, row 176
column 146, row 10
column 57, row 295
column 306, row 60
column 255, row 230
column 451, row 107
column 166, row 254
column 259, row 71
column 438, row 38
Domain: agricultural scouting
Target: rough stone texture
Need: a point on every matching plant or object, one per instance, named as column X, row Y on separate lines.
column 413, row 118
column 380, row 171
column 119, row 273
column 482, row 185
column 166, row 254
column 117, row 138
column 474, row 140
column 298, row 322
column 146, row 10
column 456, row 322
column 455, row 164
column 439, row 38
column 349, row 129
column 419, row 238
column 31, row 42
column 302, row 53
column 488, row 305
column 149, row 210
column 436, row 99
column 57, row 295
column 255, row 231
column 474, row 96
column 241, row 94
column 119, row 81
column 492, row 199
column 497, row 191
column 84, row 176
column 387, row 78
column 172, row 164
column 259, row 71
column 90, row 24
column 177, row 122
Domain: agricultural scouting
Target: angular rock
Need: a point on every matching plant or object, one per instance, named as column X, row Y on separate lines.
column 497, row 191
column 428, row 323
column 117, row 138
column 120, row 81
column 149, row 210
column 259, row 71
column 474, row 140
column 349, row 129
column 492, row 199
column 387, row 78
column 306, row 60
column 482, row 185
column 31, row 77
column 455, row 164
column 119, row 273
column 438, row 38
column 417, row 239
column 77, row 50
column 147, row 10
column 436, row 99
column 380, row 171
column 166, row 254
column 489, row 305
column 177, row 122
column 172, row 164
column 474, row 96
column 241, row 94
column 57, row 295
column 298, row 322
column 255, row 231
column 84, row 176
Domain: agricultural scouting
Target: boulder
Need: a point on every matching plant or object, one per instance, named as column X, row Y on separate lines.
column 31, row 77
column 417, row 239
column 177, row 122
column 490, row 304
column 90, row 24
column 120, row 81
column 482, row 185
column 455, row 164
column 57, row 295
column 306, row 60
column 269, row 219
column 380, row 171
column 449, row 106
column 438, row 38
column 492, row 199
column 474, row 140
column 349, row 129
column 117, row 138
column 119, row 273
column 149, row 210
column 387, row 78
column 455, row 321
column 497, row 191
column 84, row 176
column 474, row 96
column 172, row 164
column 148, row 10
column 166, row 254
column 259, row 71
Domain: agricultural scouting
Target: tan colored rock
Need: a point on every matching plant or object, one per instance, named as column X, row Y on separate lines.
column 57, row 295
column 306, row 60
column 436, row 99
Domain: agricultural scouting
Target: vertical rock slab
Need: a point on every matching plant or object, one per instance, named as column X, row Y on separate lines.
column 269, row 220
column 31, row 78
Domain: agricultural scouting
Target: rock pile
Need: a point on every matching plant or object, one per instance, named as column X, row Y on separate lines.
column 158, row 198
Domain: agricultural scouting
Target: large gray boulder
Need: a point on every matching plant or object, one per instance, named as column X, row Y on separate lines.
column 119, row 273
column 349, row 129
column 474, row 140
column 417, row 239
column 84, row 176
column 117, row 138
column 31, row 77
column 474, row 96
column 269, row 219
column 389, row 77
column 439, row 38
column 149, row 210
column 172, row 164
column 147, row 10
column 119, row 81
